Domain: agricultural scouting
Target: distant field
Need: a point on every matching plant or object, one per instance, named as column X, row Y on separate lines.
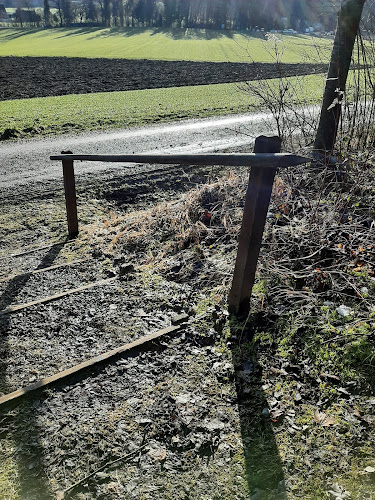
column 74, row 113
column 184, row 45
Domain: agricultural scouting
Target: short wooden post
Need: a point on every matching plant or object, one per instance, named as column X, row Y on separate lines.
column 70, row 196
column 254, row 218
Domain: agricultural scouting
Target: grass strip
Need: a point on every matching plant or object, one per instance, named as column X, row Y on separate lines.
column 87, row 112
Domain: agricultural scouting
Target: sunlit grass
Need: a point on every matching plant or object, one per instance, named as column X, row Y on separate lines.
column 136, row 43
column 52, row 115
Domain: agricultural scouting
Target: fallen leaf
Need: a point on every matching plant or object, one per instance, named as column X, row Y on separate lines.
column 330, row 378
column 101, row 476
column 214, row 425
column 344, row 392
column 323, row 419
column 158, row 454
column 297, row 397
column 276, row 415
column 369, row 469
column 337, row 492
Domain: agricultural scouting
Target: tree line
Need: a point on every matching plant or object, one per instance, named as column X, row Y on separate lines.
column 215, row 14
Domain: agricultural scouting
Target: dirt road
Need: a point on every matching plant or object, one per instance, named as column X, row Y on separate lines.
column 23, row 162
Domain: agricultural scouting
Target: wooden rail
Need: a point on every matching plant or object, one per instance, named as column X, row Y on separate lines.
column 264, row 163
column 265, row 160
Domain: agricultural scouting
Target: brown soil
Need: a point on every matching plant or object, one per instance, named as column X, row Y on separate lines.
column 26, row 77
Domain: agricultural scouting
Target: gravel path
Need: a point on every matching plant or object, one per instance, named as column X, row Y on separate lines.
column 24, row 162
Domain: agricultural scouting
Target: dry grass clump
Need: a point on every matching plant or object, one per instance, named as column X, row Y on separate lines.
column 320, row 245
column 211, row 209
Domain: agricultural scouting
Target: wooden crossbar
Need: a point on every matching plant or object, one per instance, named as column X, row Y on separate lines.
column 265, row 160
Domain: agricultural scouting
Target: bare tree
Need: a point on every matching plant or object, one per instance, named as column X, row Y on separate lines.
column 346, row 32
column 91, row 13
column 58, row 5
column 46, row 13
column 106, row 13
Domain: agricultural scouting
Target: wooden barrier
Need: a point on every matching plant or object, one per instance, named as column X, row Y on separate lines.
column 257, row 201
column 264, row 163
column 70, row 196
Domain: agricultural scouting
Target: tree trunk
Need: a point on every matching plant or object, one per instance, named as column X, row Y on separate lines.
column 121, row 7
column 346, row 32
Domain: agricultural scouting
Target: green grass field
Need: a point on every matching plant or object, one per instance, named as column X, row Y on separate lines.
column 53, row 115
column 31, row 117
column 134, row 43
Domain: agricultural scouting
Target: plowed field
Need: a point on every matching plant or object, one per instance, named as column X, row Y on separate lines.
column 26, row 77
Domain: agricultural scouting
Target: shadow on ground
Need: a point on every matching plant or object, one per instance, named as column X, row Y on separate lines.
column 19, row 420
column 103, row 32
column 264, row 468
column 175, row 34
column 17, row 33
column 152, row 187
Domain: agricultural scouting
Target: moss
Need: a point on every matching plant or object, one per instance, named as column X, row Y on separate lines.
column 9, row 483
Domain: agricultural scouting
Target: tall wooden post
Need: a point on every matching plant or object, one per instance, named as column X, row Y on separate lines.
column 70, row 196
column 254, row 218
column 346, row 32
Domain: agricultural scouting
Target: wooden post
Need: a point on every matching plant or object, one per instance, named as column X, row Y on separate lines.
column 70, row 196
column 254, row 218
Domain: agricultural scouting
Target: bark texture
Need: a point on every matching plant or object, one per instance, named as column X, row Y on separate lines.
column 347, row 28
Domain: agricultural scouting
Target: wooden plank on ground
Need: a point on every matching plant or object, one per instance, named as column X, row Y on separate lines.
column 45, row 382
column 42, row 269
column 20, row 253
column 12, row 309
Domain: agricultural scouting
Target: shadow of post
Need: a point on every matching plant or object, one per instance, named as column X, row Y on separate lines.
column 19, row 422
column 264, row 469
